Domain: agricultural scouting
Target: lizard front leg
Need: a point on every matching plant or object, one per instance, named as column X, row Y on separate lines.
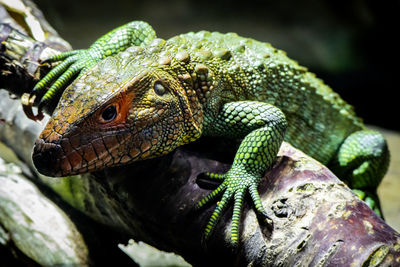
column 263, row 127
column 77, row 62
column 362, row 161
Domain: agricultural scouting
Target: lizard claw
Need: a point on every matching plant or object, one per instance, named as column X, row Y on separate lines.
column 235, row 183
column 53, row 84
column 27, row 102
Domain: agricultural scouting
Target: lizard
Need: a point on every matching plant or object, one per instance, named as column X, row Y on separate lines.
column 133, row 96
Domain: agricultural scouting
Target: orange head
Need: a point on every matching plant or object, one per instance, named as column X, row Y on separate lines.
column 119, row 112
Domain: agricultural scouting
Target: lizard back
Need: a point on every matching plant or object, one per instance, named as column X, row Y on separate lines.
column 246, row 69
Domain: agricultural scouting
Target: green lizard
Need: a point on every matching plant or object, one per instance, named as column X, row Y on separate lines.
column 139, row 97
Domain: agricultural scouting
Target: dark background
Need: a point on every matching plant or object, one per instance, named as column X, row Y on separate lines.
column 352, row 45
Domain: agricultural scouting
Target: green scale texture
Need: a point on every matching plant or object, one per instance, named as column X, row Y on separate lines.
column 238, row 88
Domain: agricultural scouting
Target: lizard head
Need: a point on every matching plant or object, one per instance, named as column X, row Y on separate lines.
column 117, row 113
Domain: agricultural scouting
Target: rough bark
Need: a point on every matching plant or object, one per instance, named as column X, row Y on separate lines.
column 21, row 22
column 317, row 219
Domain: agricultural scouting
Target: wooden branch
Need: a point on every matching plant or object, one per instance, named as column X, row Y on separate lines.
column 20, row 60
column 317, row 219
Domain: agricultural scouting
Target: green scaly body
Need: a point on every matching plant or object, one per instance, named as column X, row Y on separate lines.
column 252, row 70
column 145, row 101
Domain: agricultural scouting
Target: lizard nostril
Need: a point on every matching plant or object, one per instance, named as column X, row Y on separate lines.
column 46, row 157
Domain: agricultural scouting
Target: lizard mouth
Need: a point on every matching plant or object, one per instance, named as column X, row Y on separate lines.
column 57, row 160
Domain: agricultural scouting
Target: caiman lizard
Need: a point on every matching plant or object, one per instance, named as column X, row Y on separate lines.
column 138, row 97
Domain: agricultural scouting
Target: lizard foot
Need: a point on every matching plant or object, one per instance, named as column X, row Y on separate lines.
column 235, row 183
column 371, row 199
column 73, row 64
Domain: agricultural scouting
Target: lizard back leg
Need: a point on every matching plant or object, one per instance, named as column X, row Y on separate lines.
column 362, row 161
column 262, row 126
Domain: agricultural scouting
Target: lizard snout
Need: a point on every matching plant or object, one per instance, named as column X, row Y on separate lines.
column 46, row 158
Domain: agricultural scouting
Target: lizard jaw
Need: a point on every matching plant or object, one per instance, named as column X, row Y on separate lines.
column 51, row 160
column 59, row 156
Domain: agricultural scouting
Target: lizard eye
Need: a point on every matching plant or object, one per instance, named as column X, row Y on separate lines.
column 159, row 88
column 109, row 113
